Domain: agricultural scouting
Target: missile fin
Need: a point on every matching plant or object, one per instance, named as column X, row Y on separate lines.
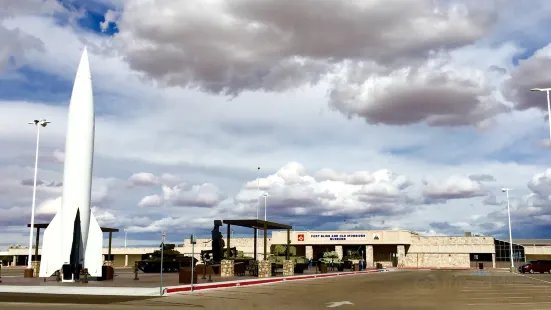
column 93, row 258
column 51, row 260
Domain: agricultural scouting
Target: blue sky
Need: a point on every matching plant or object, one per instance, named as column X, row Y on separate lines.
column 175, row 158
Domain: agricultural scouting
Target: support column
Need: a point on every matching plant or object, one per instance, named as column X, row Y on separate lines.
column 288, row 244
column 265, row 241
column 14, row 263
column 228, row 246
column 369, row 256
column 493, row 260
column 126, row 260
column 37, row 242
column 401, row 253
column 309, row 252
column 255, row 244
column 109, row 260
column 338, row 249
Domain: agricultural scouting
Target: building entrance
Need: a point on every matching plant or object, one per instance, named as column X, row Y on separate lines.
column 386, row 255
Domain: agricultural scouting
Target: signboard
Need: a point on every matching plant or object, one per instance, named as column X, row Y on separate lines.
column 300, row 237
column 338, row 237
column 193, row 239
column 376, row 236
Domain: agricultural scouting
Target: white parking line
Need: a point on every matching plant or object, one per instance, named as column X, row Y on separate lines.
column 498, row 289
column 523, row 275
column 503, row 297
column 496, row 294
column 511, row 303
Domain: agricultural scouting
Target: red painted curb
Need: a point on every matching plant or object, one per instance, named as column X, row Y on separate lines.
column 199, row 287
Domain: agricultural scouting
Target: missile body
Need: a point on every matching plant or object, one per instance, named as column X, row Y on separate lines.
column 73, row 240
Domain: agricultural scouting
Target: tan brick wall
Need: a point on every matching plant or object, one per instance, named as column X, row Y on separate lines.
column 437, row 260
column 437, row 240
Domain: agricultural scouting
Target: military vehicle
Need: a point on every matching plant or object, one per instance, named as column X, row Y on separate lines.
column 172, row 260
column 278, row 255
column 332, row 257
column 352, row 257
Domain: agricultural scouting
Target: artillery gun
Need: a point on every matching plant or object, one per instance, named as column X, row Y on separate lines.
column 172, row 260
column 278, row 255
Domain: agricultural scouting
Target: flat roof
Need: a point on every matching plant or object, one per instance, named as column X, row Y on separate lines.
column 103, row 229
column 532, row 241
column 259, row 224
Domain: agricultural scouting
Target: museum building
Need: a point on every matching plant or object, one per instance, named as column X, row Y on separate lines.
column 390, row 248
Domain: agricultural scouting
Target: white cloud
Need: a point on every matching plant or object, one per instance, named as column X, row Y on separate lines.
column 178, row 157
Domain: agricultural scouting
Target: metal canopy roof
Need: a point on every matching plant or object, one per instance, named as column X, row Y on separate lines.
column 259, row 224
column 103, row 229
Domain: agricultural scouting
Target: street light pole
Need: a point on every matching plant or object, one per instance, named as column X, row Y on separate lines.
column 257, row 190
column 125, row 233
column 163, row 240
column 265, row 207
column 42, row 123
column 506, row 191
column 548, row 105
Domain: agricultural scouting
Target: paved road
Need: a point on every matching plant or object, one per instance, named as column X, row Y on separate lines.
column 410, row 290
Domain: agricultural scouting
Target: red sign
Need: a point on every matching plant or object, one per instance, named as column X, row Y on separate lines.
column 300, row 237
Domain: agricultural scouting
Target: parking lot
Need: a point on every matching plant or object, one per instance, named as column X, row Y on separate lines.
column 389, row 290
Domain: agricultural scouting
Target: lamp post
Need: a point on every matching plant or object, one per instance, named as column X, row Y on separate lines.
column 163, row 240
column 125, row 233
column 265, row 207
column 42, row 123
column 506, row 191
column 548, row 105
column 257, row 190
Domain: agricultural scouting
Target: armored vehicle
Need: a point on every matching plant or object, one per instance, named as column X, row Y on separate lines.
column 352, row 257
column 172, row 260
column 278, row 255
column 332, row 257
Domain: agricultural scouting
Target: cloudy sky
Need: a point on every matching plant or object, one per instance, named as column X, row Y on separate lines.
column 388, row 114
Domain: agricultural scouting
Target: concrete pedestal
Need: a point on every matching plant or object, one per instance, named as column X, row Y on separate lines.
column 288, row 268
column 264, row 269
column 28, row 273
column 35, row 265
column 227, row 268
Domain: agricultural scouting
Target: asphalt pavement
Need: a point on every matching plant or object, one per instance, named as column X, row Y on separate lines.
column 389, row 290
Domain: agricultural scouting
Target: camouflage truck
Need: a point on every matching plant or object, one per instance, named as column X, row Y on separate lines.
column 172, row 260
column 278, row 255
column 332, row 257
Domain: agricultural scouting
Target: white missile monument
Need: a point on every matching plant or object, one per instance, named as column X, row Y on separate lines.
column 73, row 240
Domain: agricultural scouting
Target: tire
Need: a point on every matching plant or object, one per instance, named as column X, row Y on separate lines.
column 531, row 271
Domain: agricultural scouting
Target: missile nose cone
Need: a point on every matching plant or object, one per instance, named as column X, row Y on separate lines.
column 84, row 66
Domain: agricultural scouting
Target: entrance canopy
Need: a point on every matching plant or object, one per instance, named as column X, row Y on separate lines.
column 259, row 224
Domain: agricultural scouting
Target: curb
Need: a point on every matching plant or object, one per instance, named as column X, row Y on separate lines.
column 252, row 282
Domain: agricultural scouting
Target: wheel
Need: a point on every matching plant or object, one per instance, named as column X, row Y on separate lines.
column 531, row 271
